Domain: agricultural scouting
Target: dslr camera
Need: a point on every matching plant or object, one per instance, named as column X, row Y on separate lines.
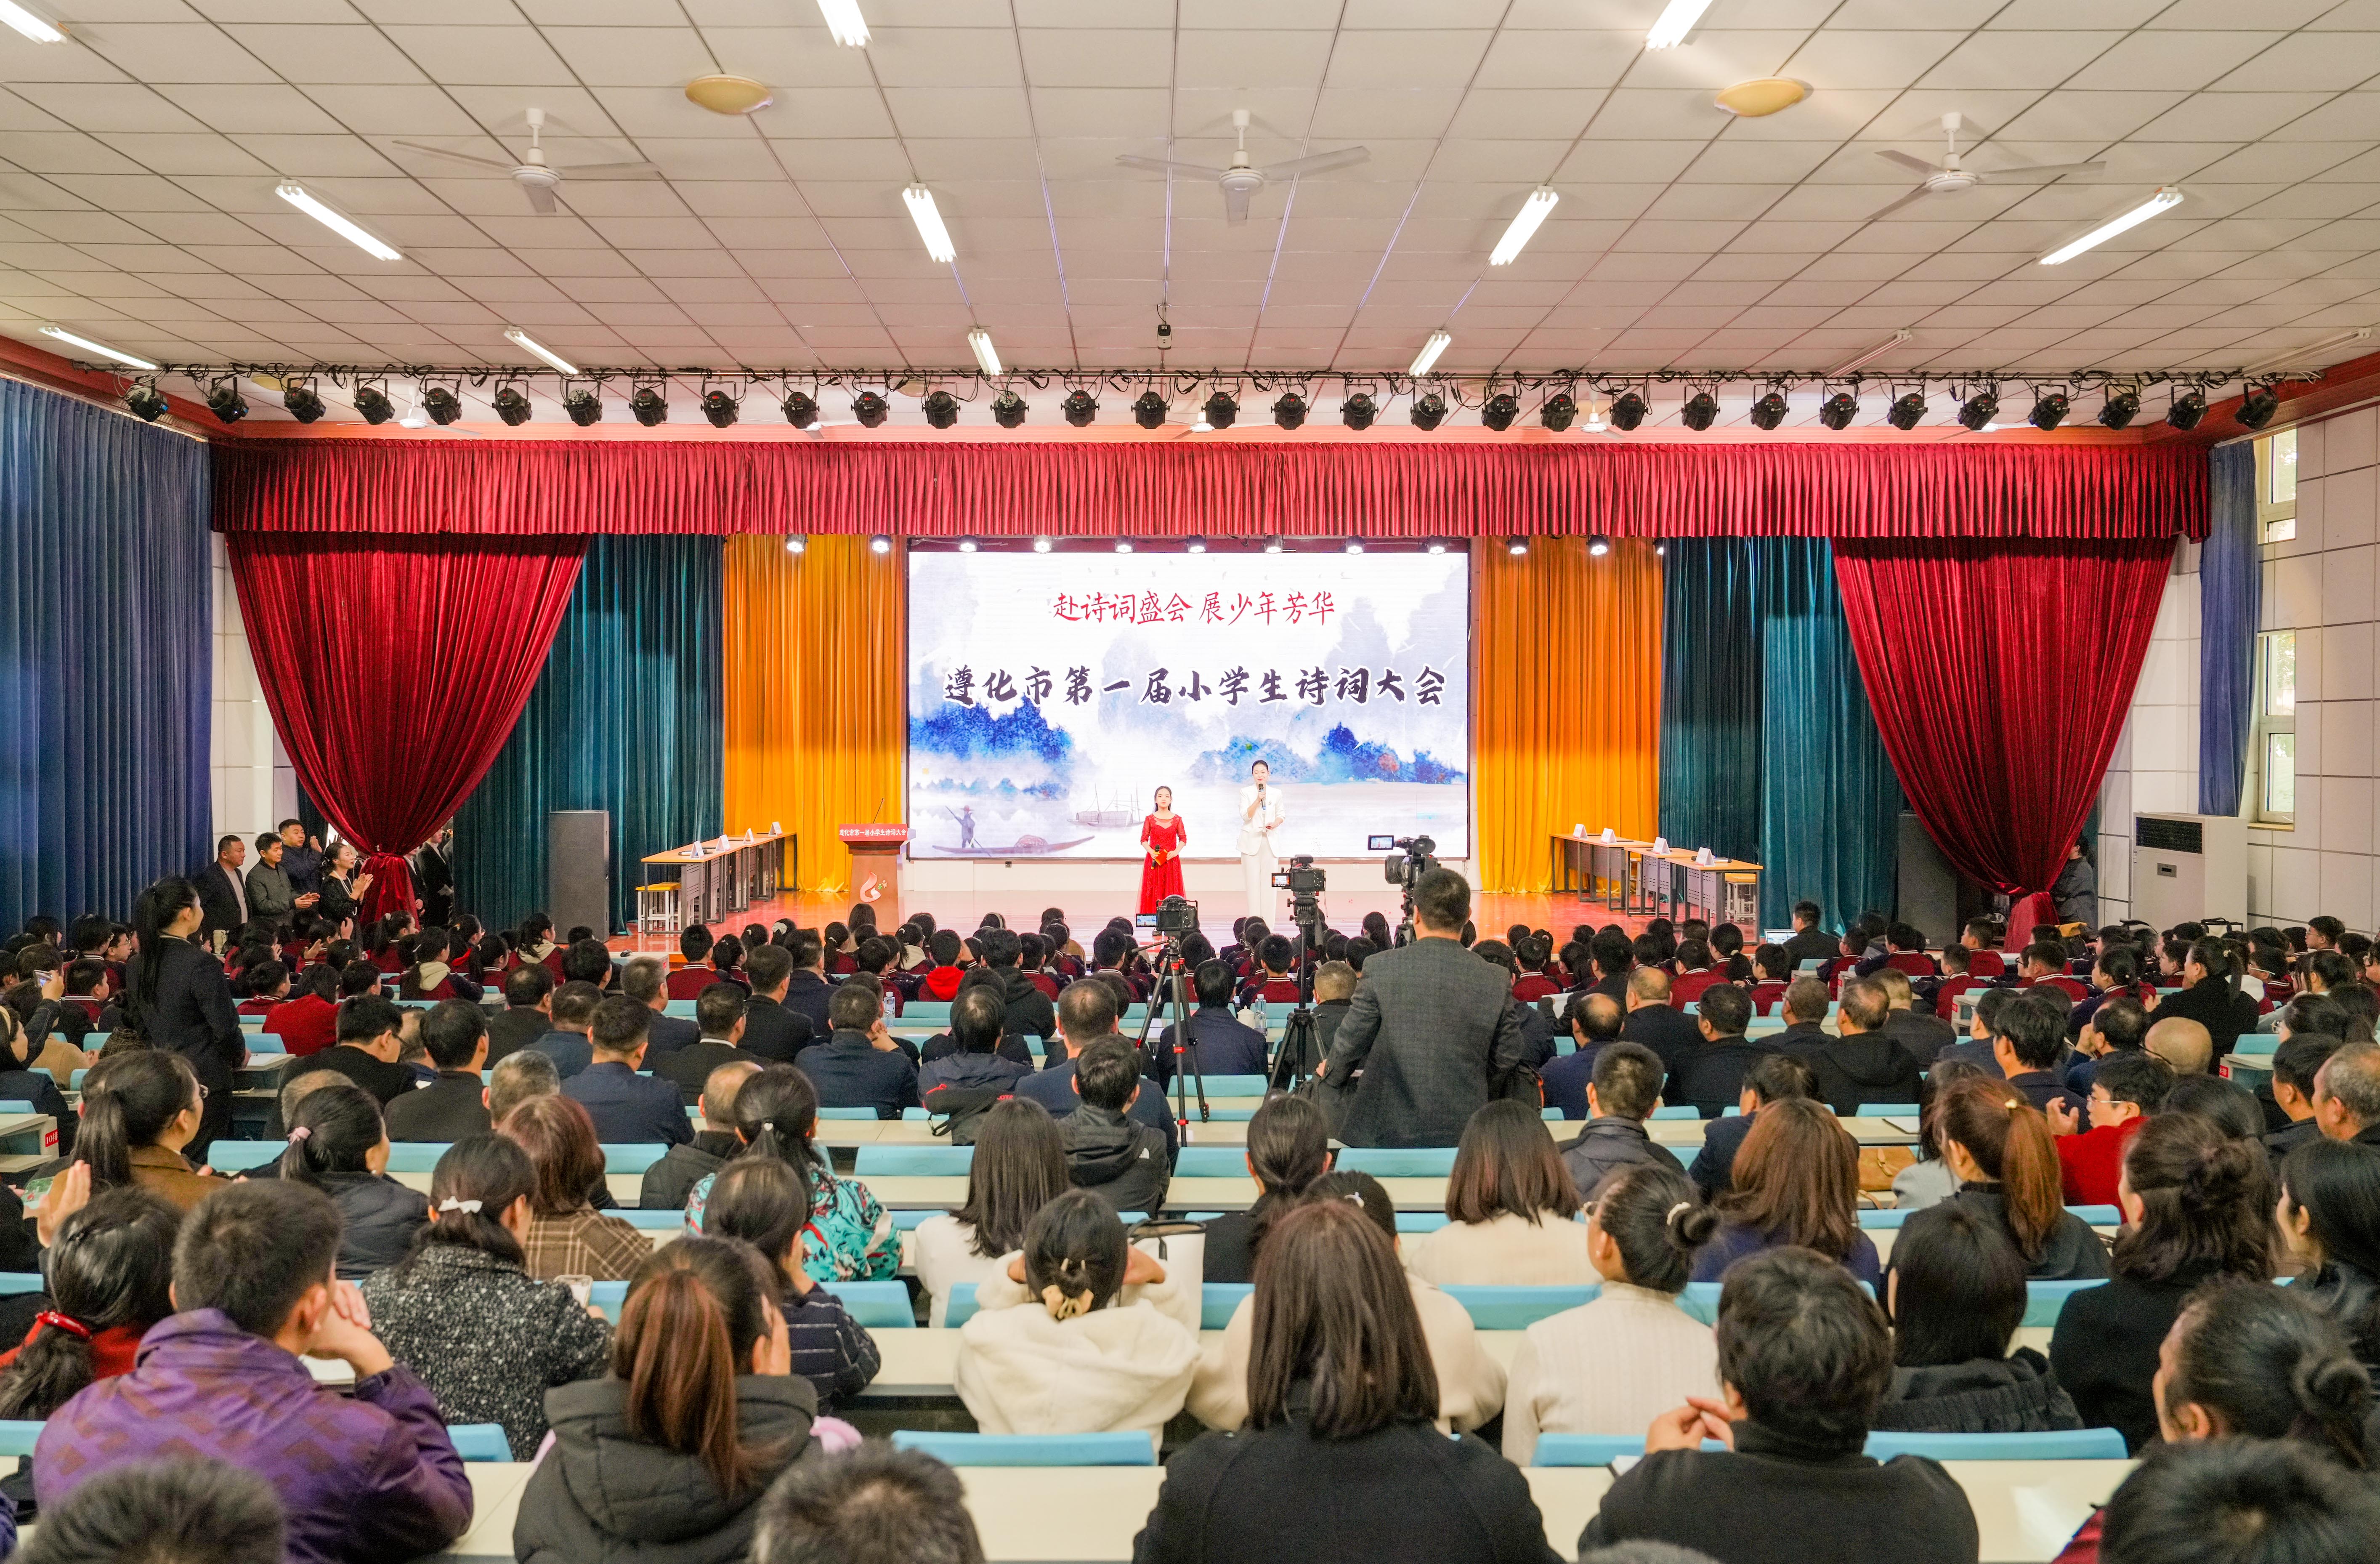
column 1177, row 916
column 1301, row 878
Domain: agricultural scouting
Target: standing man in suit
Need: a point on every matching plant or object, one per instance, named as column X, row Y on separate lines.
column 223, row 889
column 644, row 979
column 433, row 875
column 772, row 1030
column 1260, row 817
column 1432, row 1030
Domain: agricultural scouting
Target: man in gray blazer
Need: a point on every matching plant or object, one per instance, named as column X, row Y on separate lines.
column 1432, row 1029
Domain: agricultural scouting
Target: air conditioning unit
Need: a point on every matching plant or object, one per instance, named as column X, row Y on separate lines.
column 2187, row 868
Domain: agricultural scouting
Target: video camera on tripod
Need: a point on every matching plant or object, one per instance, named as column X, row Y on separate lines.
column 1409, row 859
column 1176, row 916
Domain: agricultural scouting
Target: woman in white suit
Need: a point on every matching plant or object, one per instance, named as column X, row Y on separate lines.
column 1260, row 817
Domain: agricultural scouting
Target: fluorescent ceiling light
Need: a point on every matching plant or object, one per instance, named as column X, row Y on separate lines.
column 1869, row 355
column 523, row 341
column 2166, row 197
column 1677, row 19
column 338, row 223
column 2296, row 358
column 102, row 349
column 987, row 358
column 922, row 212
column 1525, row 223
column 38, row 29
column 1429, row 351
column 844, row 20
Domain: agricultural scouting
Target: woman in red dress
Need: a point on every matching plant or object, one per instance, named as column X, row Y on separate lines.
column 1163, row 834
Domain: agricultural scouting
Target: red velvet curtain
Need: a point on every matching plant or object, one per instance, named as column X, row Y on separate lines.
column 2000, row 674
column 394, row 667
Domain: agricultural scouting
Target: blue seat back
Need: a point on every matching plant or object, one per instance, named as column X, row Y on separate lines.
column 2099, row 1215
column 1517, row 1308
column 1398, row 1162
column 657, row 1221
column 959, row 1307
column 2257, row 1043
column 480, row 1441
column 16, row 1436
column 1031, row 1450
column 414, row 1157
column 1680, row 1110
column 1226, row 1086
column 2068, row 1444
column 608, row 1296
column 1887, row 1110
column 2044, row 1300
column 1218, row 1300
column 14, row 1284
column 891, row 1162
column 631, row 1156
column 1593, row 1449
column 1700, row 1299
column 868, row 1113
column 1211, row 1162
column 242, row 1156
column 264, row 1043
column 878, row 1305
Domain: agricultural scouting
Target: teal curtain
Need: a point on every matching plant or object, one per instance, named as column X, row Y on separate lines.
column 627, row 717
column 1711, row 695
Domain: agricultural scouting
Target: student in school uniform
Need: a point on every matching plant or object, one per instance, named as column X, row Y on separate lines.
column 1695, row 974
column 689, row 981
column 1774, row 965
column 1534, row 983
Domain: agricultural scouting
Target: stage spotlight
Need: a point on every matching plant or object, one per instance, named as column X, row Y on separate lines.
column 1436, row 545
column 1273, row 546
column 1290, row 411
column 442, row 405
column 1599, row 545
column 1123, row 546
column 871, row 410
column 225, row 401
column 1354, row 545
column 941, row 409
column 1559, row 411
column 1516, row 546
column 1628, row 410
column 1221, row 411
column 2187, row 409
column 966, row 546
column 1195, row 545
column 1428, row 412
column 512, row 405
column 649, row 406
column 2257, row 408
column 1660, row 550
column 796, row 543
column 1838, row 410
column 1080, row 408
column 2050, row 410
column 1700, row 412
column 584, row 405
column 146, row 402
column 1359, row 410
column 721, row 406
column 1041, row 545
column 1149, row 410
column 1977, row 410
column 1905, row 413
column 305, row 404
column 1499, row 411
column 1008, row 410
column 373, row 404
column 879, row 543
column 1769, row 411
column 801, row 409
column 2121, row 408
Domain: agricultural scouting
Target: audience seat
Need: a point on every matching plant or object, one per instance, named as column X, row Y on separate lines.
column 608, row 1296
column 1700, row 1299
column 480, row 1441
column 1218, row 1300
column 16, row 1436
column 14, row 1284
column 2044, row 1300
column 1683, row 1110
column 1894, row 1216
column 1517, row 1308
column 1398, row 1162
column 1887, row 1110
column 2072, row 1443
column 929, row 1162
column 847, row 1113
column 1226, row 1086
column 664, row 1221
column 266, row 1043
column 1031, row 1450
column 1211, row 1162
column 242, row 1156
column 877, row 1305
column 682, row 1009
column 631, row 1156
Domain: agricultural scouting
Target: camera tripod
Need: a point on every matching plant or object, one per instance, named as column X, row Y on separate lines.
column 1173, row 980
column 1290, row 1064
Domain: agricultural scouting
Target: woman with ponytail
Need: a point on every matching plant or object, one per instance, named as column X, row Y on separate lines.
column 776, row 1115
column 139, row 1109
column 462, row 1310
column 2330, row 1214
column 1080, row 1333
column 1289, row 1147
column 179, row 999
column 2194, row 1209
column 1614, row 1365
column 766, row 1204
column 110, row 1265
column 1999, row 1146
column 339, row 1144
column 667, row 1458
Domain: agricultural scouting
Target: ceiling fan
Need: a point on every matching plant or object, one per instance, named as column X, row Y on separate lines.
column 1948, row 178
column 1242, row 179
column 536, row 177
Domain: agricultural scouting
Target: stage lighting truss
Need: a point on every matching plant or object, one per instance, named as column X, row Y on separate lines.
column 512, row 405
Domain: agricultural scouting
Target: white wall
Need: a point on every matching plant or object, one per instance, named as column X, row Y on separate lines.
column 2155, row 764
column 254, row 787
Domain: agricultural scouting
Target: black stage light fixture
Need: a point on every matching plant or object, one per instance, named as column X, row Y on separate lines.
column 1700, row 412
column 649, row 406
column 1499, row 410
column 512, row 405
column 225, row 401
column 1769, row 411
column 1597, row 544
column 1977, row 410
column 1008, row 410
column 1906, row 413
column 721, row 406
column 1628, row 410
column 585, row 406
column 1428, row 412
column 2187, row 409
column 1149, row 410
column 871, row 410
column 2257, row 408
column 305, row 404
column 1289, row 412
column 1221, row 411
column 2120, row 409
column 1080, row 408
column 442, row 405
column 941, row 409
column 801, row 409
column 1560, row 412
column 2050, row 410
column 1359, row 410
column 1838, row 410
column 373, row 403
column 146, row 402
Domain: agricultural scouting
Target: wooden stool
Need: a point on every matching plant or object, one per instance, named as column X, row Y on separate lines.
column 657, row 905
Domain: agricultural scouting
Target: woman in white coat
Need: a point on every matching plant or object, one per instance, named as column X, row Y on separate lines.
column 1260, row 817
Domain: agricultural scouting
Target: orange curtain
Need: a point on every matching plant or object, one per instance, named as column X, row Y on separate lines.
column 815, row 653
column 1566, row 694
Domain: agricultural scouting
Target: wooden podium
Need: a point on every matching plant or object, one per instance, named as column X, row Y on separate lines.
column 876, row 868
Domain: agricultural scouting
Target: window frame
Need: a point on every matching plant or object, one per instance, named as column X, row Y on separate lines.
column 2277, row 519
column 2268, row 724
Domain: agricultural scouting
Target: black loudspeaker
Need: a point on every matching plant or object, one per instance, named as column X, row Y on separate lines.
column 579, row 869
column 1929, row 892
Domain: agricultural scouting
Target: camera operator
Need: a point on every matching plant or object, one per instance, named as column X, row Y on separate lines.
column 1432, row 1029
column 1222, row 1046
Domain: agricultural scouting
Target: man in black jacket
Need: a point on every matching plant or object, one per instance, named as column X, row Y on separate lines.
column 1921, row 1032
column 1626, row 1088
column 2026, row 1040
column 2207, row 998
column 1810, row 943
column 860, row 1065
column 366, row 1052
column 1121, row 1162
column 1803, row 1359
column 719, row 1014
column 644, row 979
column 1772, row 1080
column 1712, row 1077
column 1087, row 1011
column 454, row 1106
column 1657, row 1024
column 807, row 991
column 1028, row 1009
column 574, row 1016
column 527, row 1014
column 1593, row 1022
column 1864, row 1065
column 223, row 889
column 1803, row 1012
column 771, row 1029
column 628, row 1107
column 1221, row 1044
column 2347, row 1094
column 669, row 1180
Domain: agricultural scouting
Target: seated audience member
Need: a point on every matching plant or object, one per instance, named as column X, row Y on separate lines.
column 1079, row 1333
column 567, row 1044
column 1288, row 1148
column 1956, row 1295
column 720, row 1013
column 1864, row 1064
column 461, row 1310
column 1334, row 996
column 1655, row 1022
column 2237, row 1502
column 109, row 1268
column 2312, row 1027
column 1122, row 1162
column 2347, row 1094
column 1809, row 942
column 627, row 1108
column 1273, row 982
column 669, row 1455
column 138, row 1110
column 371, row 1038
column 860, row 1065
column 363, row 1474
column 19, row 1082
column 1695, row 973
column 528, row 1013
column 178, row 1511
column 1916, row 1027
column 307, row 1021
column 1594, row 1020
column 772, row 1030
column 338, row 1144
column 1804, row 1013
column 2006, row 1164
column 2043, row 965
column 1340, row 1395
column 2207, row 998
column 1796, row 1184
column 941, row 984
column 520, row 1078
column 2125, row 1089
column 1803, row 1360
column 1221, row 1045
column 1773, row 1079
column 1614, row 1366
column 696, row 974
column 1509, row 1208
column 765, row 1202
column 454, row 1107
column 2028, row 1035
column 1928, row 1180
column 669, row 1180
column 1776, row 972
column 1019, row 1167
column 2181, row 1043
column 566, row 1236
column 2329, row 1215
column 2231, row 1106
column 975, row 1063
column 874, row 1505
column 644, row 979
column 1532, row 954
column 2194, row 1207
column 1026, row 1007
column 776, row 1115
column 1623, row 1095
column 2119, row 1026
column 1711, row 1076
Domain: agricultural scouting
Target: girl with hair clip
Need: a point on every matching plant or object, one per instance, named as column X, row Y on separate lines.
column 140, row 1109
column 1019, row 1167
column 667, row 1457
column 1956, row 1295
column 776, row 1116
column 338, row 1143
column 1288, row 1148
column 1509, row 1208
column 1614, row 1365
column 727, row 963
column 1080, row 1333
column 841, row 950
column 2000, row 1147
column 767, row 1205
column 462, row 1310
column 2329, row 1215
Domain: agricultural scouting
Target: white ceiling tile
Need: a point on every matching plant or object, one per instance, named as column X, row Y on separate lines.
column 2183, row 59
column 175, row 52
column 2001, row 59
column 108, row 107
column 632, row 57
column 1096, row 57
column 1525, row 114
column 323, row 56
column 1566, row 60
column 2241, row 116
column 1400, row 59
column 2351, row 116
column 956, row 111
column 262, row 110
column 510, row 56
